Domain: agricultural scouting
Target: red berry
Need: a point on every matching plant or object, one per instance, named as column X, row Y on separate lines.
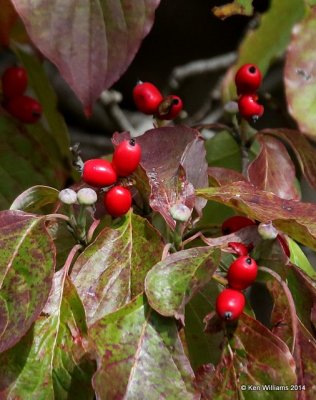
column 147, row 97
column 233, row 224
column 242, row 273
column 126, row 157
column 249, row 108
column 170, row 108
column 99, row 173
column 230, row 304
column 118, row 201
column 24, row 108
column 14, row 82
column 248, row 79
column 239, row 248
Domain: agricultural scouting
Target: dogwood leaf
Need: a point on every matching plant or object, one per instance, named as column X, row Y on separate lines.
column 27, row 262
column 91, row 42
column 111, row 271
column 140, row 356
column 295, row 218
column 265, row 172
column 172, row 282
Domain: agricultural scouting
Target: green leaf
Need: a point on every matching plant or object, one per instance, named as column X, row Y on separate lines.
column 298, row 258
column 303, row 291
column 27, row 261
column 299, row 72
column 172, row 282
column 263, row 45
column 49, row 363
column 214, row 214
column 111, row 271
column 28, row 157
column 140, row 356
column 91, row 43
column 242, row 7
column 265, row 172
column 252, row 356
column 34, row 198
column 203, row 347
column 63, row 239
column 223, row 151
column 46, row 96
column 295, row 218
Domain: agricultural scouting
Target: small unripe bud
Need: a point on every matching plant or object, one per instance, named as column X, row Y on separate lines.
column 231, row 107
column 180, row 212
column 67, row 196
column 87, row 196
column 267, row 230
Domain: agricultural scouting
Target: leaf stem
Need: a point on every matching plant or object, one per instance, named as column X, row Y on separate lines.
column 71, row 256
column 219, row 279
column 63, row 217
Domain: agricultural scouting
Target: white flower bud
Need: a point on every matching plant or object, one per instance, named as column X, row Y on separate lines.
column 180, row 212
column 67, row 196
column 267, row 230
column 87, row 196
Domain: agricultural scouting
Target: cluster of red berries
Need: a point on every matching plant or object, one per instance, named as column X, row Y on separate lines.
column 242, row 273
column 24, row 108
column 248, row 79
column 102, row 173
column 150, row 101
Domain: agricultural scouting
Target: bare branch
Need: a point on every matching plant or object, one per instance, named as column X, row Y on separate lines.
column 200, row 67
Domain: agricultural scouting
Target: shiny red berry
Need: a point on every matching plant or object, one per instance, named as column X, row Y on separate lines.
column 126, row 157
column 170, row 108
column 249, row 108
column 24, row 108
column 147, row 97
column 118, row 201
column 242, row 273
column 230, row 304
column 99, row 173
column 238, row 248
column 233, row 224
column 248, row 79
column 14, row 82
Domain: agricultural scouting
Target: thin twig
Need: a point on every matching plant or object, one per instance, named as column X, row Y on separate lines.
column 200, row 67
column 110, row 100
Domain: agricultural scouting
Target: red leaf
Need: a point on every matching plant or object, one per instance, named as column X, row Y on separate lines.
column 253, row 356
column 91, row 42
column 295, row 218
column 222, row 176
column 304, row 151
column 273, row 169
column 174, row 161
column 8, row 17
